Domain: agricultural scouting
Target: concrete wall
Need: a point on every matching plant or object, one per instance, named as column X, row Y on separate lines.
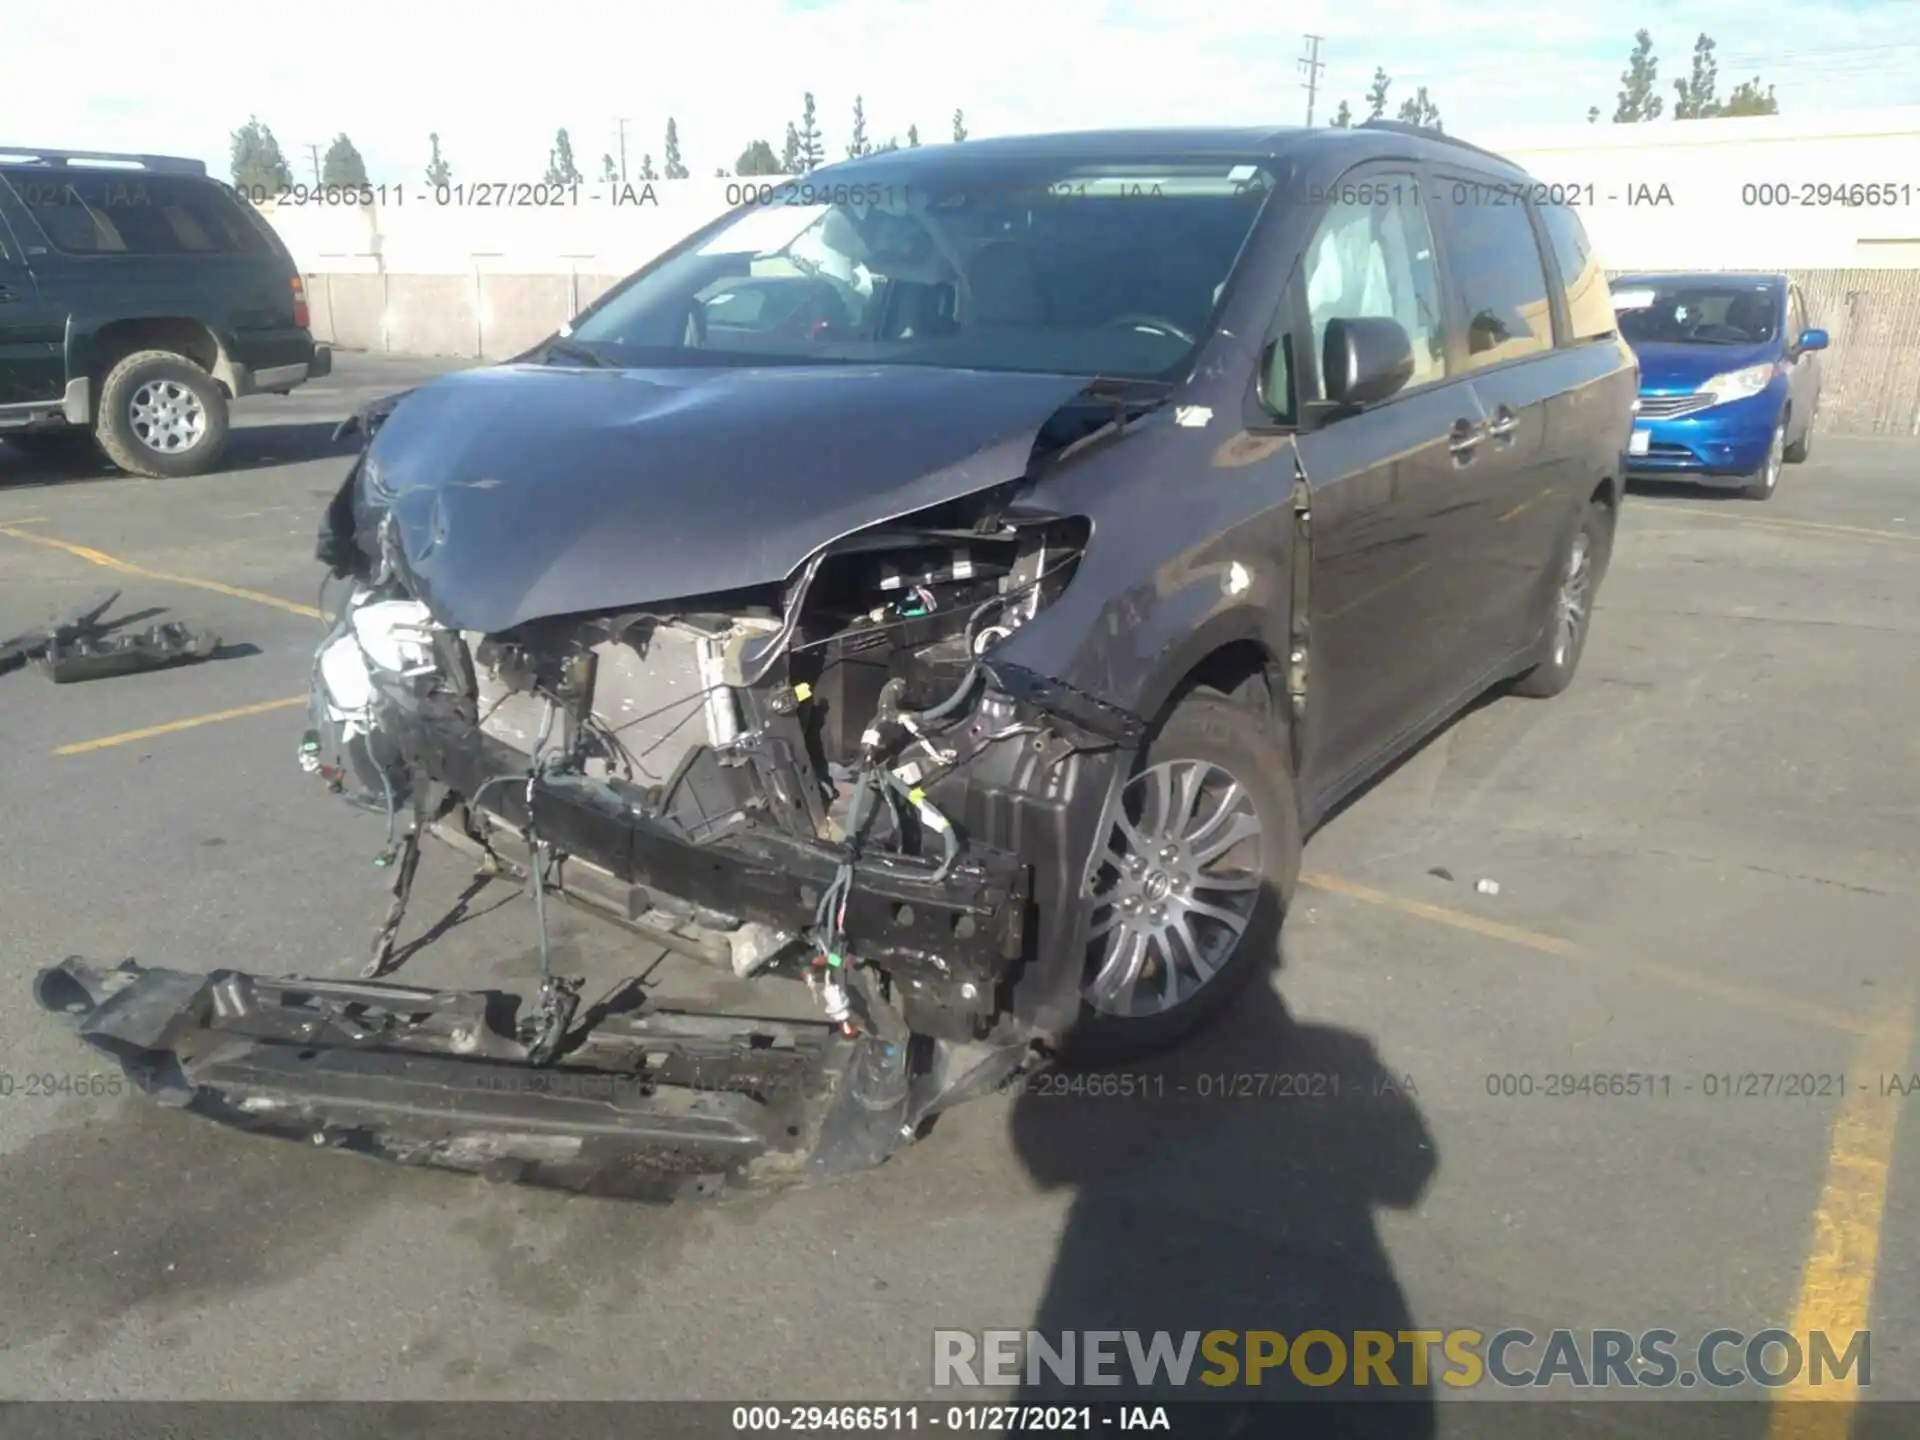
column 487, row 281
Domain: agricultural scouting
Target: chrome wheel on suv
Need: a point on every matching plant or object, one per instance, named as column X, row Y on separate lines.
column 161, row 415
column 167, row 417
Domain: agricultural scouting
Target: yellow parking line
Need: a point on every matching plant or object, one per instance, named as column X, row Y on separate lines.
column 126, row 567
column 1782, row 523
column 1836, row 1288
column 26, row 520
column 1784, row 1006
column 128, row 737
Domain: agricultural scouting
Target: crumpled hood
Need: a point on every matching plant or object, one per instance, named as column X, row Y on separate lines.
column 1667, row 367
column 525, row 491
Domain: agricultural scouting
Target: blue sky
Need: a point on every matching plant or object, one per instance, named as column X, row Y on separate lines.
column 387, row 72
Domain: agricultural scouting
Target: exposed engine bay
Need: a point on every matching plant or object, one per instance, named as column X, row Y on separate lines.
column 833, row 779
column 831, row 736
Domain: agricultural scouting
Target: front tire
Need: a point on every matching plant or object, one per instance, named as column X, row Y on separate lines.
column 1766, row 479
column 1187, row 900
column 161, row 415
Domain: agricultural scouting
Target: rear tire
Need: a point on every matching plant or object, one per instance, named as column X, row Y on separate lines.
column 1189, row 900
column 1582, row 568
column 1766, row 479
column 161, row 415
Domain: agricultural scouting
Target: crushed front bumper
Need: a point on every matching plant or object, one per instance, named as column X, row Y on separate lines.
column 644, row 1104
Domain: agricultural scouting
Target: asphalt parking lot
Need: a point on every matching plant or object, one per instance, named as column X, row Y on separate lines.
column 1705, row 855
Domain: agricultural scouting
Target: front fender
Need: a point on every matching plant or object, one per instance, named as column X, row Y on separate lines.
column 1197, row 624
column 1136, row 647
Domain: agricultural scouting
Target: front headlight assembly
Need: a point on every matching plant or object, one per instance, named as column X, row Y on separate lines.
column 1739, row 384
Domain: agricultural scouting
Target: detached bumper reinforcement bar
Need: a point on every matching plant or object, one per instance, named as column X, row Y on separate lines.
column 642, row 1105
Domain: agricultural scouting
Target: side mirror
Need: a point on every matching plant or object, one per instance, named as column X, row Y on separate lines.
column 1365, row 359
column 1812, row 340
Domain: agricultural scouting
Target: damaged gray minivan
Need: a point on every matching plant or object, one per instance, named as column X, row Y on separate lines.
column 954, row 581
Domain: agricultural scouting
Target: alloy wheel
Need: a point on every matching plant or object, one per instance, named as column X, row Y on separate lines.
column 167, row 416
column 1574, row 597
column 1175, row 889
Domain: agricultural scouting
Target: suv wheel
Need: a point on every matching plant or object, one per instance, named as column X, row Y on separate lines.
column 1764, row 480
column 1187, row 900
column 1580, row 575
column 161, row 415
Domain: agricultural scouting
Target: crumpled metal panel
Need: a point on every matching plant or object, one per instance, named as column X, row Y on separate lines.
column 521, row 492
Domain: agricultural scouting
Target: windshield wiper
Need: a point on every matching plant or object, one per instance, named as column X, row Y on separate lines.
column 572, row 351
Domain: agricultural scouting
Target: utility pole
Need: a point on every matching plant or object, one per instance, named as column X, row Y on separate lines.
column 621, row 121
column 1311, row 66
column 313, row 151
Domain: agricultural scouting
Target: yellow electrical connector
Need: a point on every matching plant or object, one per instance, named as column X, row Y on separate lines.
column 802, row 691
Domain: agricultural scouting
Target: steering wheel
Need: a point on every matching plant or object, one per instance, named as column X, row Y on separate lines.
column 1151, row 322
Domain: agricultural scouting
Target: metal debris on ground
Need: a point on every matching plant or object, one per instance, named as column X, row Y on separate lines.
column 80, row 647
column 1488, row 887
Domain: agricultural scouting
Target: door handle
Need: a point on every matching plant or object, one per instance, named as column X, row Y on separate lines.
column 7, row 295
column 1464, row 437
column 1505, row 422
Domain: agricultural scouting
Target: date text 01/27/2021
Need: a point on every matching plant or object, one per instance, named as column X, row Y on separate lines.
column 1049, row 1084
column 1714, row 1085
column 984, row 1419
column 476, row 194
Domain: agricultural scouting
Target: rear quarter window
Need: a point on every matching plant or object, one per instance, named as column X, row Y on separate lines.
column 133, row 213
column 1589, row 304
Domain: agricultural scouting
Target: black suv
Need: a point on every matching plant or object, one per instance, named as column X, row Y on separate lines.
column 138, row 297
column 974, row 656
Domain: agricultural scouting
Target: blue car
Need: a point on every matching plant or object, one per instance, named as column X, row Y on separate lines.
column 1729, row 377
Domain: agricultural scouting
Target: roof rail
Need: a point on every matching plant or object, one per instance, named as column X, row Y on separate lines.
column 40, row 155
column 1402, row 127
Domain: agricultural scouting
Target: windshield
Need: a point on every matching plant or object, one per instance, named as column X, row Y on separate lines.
column 1695, row 313
column 1098, row 270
